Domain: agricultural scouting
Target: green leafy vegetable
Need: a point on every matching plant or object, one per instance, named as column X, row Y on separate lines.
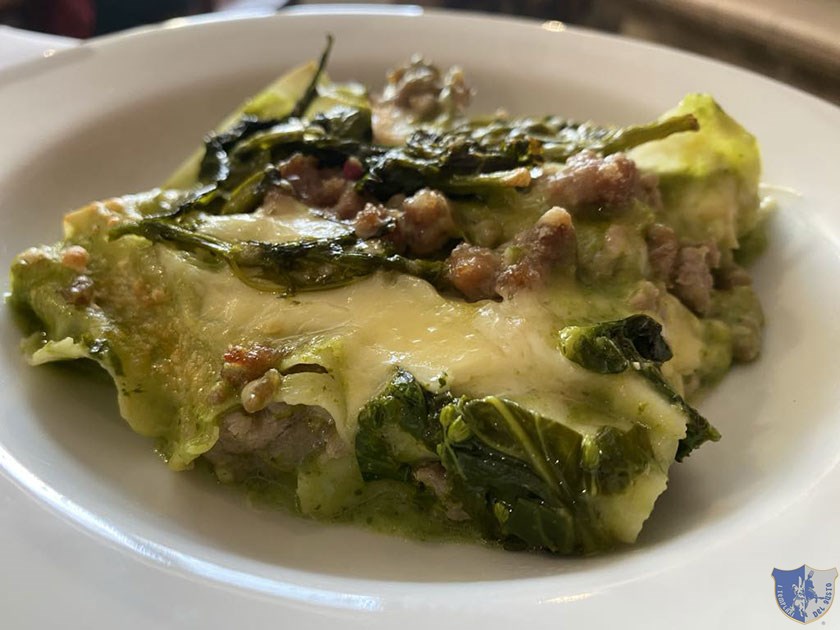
column 397, row 428
column 216, row 164
column 306, row 265
column 469, row 159
column 535, row 476
column 487, row 154
column 635, row 342
column 312, row 89
column 557, row 139
column 438, row 159
column 522, row 478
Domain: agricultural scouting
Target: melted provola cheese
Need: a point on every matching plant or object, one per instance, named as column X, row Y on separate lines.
column 388, row 320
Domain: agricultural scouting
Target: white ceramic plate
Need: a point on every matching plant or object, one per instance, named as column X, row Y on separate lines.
column 96, row 532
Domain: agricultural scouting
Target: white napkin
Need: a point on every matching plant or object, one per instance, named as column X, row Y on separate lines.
column 17, row 45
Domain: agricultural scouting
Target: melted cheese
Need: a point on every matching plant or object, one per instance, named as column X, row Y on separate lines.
column 389, row 320
column 286, row 220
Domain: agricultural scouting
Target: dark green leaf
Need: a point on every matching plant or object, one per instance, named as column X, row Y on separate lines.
column 311, row 91
column 306, row 265
column 217, row 166
column 542, row 526
column 612, row 459
column 403, row 408
column 452, row 162
column 250, row 194
column 636, row 342
column 346, row 122
column 531, row 478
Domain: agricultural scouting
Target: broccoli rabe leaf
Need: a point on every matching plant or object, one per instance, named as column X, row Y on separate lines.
column 610, row 347
column 612, row 458
column 468, row 159
column 524, row 479
column 463, row 161
column 449, row 161
column 397, row 428
column 636, row 343
column 345, row 122
column 557, row 139
column 472, row 159
column 305, row 265
column 311, row 91
column 216, row 165
column 530, row 479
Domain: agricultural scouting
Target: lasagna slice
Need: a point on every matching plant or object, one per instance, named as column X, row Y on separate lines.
column 376, row 309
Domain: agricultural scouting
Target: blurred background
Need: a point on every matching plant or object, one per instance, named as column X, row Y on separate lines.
column 795, row 41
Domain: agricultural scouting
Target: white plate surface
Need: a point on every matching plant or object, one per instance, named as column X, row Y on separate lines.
column 96, row 532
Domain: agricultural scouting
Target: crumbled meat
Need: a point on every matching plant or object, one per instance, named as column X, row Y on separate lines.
column 472, row 270
column 692, row 278
column 606, row 260
column 731, row 276
column 690, row 271
column 662, row 247
column 421, row 224
column 276, row 439
column 241, row 432
column 374, row 220
column 433, row 476
column 349, row 204
column 421, row 89
column 323, row 188
column 645, row 297
column 523, row 263
column 244, row 364
column 425, row 224
column 536, row 251
column 76, row 258
column 80, row 291
column 455, row 90
column 589, row 179
column 320, row 188
column 415, row 87
column 331, row 189
column 353, row 169
column 416, row 91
